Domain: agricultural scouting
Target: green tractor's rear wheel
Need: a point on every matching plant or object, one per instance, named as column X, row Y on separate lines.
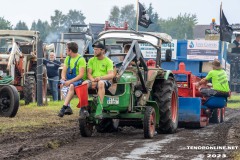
column 166, row 96
column 86, row 128
column 149, row 122
column 9, row 101
column 29, row 89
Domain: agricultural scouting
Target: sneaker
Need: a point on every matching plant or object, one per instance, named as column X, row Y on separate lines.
column 61, row 112
column 83, row 113
column 68, row 111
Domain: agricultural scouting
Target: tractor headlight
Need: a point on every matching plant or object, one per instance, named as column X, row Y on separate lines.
column 138, row 93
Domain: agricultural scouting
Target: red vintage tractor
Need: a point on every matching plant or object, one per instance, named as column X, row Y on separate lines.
column 194, row 109
column 18, row 52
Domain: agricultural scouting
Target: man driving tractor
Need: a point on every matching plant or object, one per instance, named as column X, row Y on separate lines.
column 99, row 72
column 219, row 82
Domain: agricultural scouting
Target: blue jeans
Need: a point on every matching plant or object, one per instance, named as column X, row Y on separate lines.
column 53, row 85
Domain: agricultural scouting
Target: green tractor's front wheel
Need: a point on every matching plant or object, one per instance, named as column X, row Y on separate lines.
column 149, row 122
column 86, row 128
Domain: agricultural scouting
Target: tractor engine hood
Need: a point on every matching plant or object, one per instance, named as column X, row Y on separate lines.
column 128, row 77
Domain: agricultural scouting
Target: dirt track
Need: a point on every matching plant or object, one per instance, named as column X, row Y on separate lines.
column 66, row 143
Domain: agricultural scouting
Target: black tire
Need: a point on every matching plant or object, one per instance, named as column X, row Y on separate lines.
column 166, row 95
column 107, row 125
column 216, row 116
column 9, row 101
column 222, row 115
column 30, row 89
column 86, row 128
column 21, row 95
column 149, row 122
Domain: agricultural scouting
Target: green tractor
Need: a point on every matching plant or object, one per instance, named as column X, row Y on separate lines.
column 142, row 95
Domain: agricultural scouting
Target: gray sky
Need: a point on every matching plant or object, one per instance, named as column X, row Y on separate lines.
column 97, row 11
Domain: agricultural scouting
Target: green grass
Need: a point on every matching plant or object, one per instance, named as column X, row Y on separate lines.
column 234, row 101
column 31, row 117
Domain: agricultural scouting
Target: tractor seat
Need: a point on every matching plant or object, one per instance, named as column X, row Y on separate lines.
column 215, row 102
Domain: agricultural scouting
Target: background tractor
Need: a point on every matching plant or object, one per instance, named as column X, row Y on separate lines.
column 18, row 52
column 143, row 95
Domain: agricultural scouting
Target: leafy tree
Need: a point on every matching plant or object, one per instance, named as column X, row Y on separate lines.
column 58, row 21
column 179, row 27
column 21, row 26
column 114, row 15
column 125, row 14
column 61, row 22
column 128, row 14
column 5, row 24
column 42, row 27
column 75, row 17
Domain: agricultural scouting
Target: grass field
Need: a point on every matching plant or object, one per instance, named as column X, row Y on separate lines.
column 31, row 117
column 234, row 101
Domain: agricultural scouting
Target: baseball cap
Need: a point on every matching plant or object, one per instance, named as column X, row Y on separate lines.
column 99, row 45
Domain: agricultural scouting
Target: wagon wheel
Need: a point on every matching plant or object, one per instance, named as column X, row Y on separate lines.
column 149, row 122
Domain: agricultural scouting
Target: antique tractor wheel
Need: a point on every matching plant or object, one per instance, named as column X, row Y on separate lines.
column 30, row 89
column 149, row 122
column 216, row 116
column 86, row 128
column 166, row 96
column 9, row 101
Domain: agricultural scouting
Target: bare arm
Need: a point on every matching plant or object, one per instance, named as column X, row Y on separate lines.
column 89, row 74
column 204, row 80
column 64, row 71
column 109, row 76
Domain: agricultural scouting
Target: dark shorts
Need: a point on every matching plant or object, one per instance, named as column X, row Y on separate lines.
column 206, row 92
column 107, row 84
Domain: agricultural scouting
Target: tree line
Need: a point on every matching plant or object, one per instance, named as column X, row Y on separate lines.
column 178, row 27
column 59, row 23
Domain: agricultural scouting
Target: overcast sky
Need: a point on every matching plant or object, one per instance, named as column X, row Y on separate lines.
column 97, row 11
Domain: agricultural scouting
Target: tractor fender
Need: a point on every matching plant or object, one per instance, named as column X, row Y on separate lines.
column 168, row 74
column 155, row 106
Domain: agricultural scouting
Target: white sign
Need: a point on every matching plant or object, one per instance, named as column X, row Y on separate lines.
column 150, row 52
column 113, row 100
column 202, row 49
